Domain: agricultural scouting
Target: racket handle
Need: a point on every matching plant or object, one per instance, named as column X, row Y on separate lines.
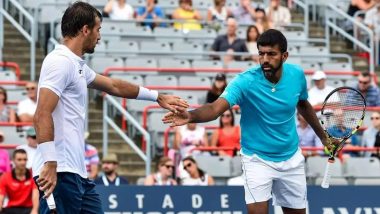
column 326, row 178
column 51, row 202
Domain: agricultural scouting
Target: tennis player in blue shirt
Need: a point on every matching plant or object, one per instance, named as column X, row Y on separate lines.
column 268, row 96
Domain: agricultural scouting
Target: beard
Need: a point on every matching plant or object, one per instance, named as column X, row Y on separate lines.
column 272, row 71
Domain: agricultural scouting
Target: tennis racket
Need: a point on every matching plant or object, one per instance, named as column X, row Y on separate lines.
column 342, row 114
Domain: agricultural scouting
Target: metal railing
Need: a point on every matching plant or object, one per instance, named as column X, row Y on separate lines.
column 305, row 8
column 108, row 121
column 24, row 23
column 332, row 14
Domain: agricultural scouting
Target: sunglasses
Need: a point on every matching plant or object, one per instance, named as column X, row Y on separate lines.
column 169, row 166
column 30, row 88
column 187, row 166
column 33, row 137
column 364, row 82
column 375, row 118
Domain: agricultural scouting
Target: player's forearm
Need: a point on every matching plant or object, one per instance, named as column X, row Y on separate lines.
column 43, row 123
column 203, row 114
column 307, row 111
column 124, row 89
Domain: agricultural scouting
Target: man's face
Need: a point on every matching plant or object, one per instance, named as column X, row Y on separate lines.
column 271, row 59
column 320, row 84
column 20, row 161
column 31, row 89
column 109, row 167
column 364, row 82
column 92, row 37
column 32, row 141
column 231, row 27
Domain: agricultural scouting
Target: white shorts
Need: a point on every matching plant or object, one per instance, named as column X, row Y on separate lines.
column 285, row 180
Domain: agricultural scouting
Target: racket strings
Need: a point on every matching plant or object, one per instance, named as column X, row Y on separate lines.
column 342, row 113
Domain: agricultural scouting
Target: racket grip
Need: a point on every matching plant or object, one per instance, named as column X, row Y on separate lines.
column 326, row 178
column 51, row 202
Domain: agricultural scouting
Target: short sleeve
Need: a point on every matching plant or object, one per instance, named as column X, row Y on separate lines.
column 233, row 93
column 303, row 94
column 3, row 185
column 56, row 74
column 90, row 75
column 159, row 12
column 215, row 46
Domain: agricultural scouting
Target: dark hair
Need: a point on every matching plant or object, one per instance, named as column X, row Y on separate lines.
column 271, row 38
column 162, row 161
column 201, row 172
column 249, row 30
column 366, row 74
column 5, row 94
column 76, row 16
column 216, row 90
column 18, row 151
column 259, row 9
column 232, row 118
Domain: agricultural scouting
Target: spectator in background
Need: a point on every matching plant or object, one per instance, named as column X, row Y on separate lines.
column 189, row 137
column 278, row 15
column 110, row 177
column 30, row 147
column 357, row 5
column 189, row 17
column 251, row 42
column 320, row 90
column 7, row 114
column 119, row 10
column 5, row 163
column 245, row 13
column 217, row 88
column 227, row 135
column 197, row 177
column 229, row 42
column 163, row 176
column 372, row 18
column 91, row 159
column 370, row 92
column 27, row 107
column 371, row 136
column 307, row 137
column 262, row 21
column 18, row 185
column 219, row 12
column 151, row 12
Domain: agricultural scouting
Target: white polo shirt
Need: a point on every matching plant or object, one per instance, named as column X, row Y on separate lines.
column 27, row 106
column 67, row 75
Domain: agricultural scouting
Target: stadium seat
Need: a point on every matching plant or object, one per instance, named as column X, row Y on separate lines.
column 201, row 67
column 133, row 78
column 173, row 63
column 314, row 52
column 297, row 38
column 236, row 167
column 155, row 48
column 315, row 168
column 100, row 63
column 363, row 170
column 310, row 66
column 190, row 97
column 168, row 34
column 8, row 75
column 161, row 80
column 203, row 4
column 214, row 165
column 16, row 94
column 124, row 48
column 194, row 81
column 12, row 136
column 145, row 62
column 243, row 65
column 337, row 66
column 181, row 49
column 203, row 36
column 51, row 12
column 136, row 3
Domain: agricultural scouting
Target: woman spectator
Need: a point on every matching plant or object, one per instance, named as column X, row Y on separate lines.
column 119, row 10
column 219, row 12
column 7, row 114
column 251, row 42
column 371, row 136
column 163, row 176
column 150, row 12
column 217, row 88
column 5, row 162
column 262, row 22
column 227, row 135
column 357, row 5
column 197, row 177
column 188, row 15
column 188, row 137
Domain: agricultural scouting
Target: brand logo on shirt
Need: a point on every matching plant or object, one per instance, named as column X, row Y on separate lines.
column 27, row 183
column 80, row 71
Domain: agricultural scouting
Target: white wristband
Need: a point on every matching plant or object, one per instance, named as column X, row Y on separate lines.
column 146, row 94
column 47, row 151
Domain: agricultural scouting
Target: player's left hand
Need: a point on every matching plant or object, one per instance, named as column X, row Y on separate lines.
column 171, row 101
column 47, row 179
column 330, row 143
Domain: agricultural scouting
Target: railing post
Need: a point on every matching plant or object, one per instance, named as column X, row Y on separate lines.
column 105, row 126
column 33, row 52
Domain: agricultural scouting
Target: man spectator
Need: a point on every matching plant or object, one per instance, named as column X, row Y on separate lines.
column 27, row 107
column 110, row 177
column 307, row 137
column 245, row 13
column 229, row 42
column 30, row 147
column 91, row 159
column 18, row 185
column 370, row 92
column 320, row 90
column 372, row 17
column 152, row 13
column 278, row 15
column 119, row 10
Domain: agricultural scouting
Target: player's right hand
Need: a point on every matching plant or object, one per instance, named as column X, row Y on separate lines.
column 48, row 178
column 181, row 117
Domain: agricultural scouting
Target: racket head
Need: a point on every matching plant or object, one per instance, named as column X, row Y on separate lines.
column 342, row 114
